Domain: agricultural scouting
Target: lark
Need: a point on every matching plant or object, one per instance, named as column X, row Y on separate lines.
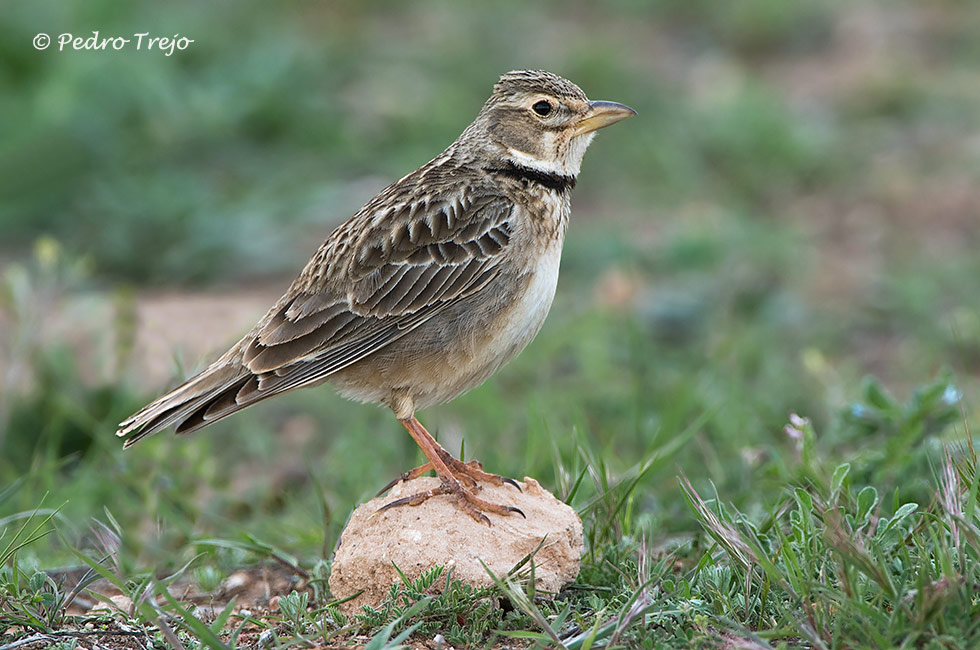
column 428, row 289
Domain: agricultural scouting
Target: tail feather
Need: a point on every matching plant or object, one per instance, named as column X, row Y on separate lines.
column 142, row 429
column 185, row 405
column 219, row 406
column 229, row 401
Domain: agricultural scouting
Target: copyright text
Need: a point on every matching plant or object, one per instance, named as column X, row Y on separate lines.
column 141, row 42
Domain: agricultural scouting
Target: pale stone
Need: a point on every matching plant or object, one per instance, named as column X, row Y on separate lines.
column 438, row 533
column 119, row 603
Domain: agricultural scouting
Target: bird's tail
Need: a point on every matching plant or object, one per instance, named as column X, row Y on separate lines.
column 221, row 389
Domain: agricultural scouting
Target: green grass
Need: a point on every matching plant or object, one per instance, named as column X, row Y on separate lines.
column 829, row 562
column 757, row 384
column 708, row 518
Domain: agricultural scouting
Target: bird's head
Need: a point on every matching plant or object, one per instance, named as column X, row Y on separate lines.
column 539, row 120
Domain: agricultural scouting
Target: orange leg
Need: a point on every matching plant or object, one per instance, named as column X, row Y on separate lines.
column 450, row 471
column 471, row 472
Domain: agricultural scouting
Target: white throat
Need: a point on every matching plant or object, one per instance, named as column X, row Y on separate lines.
column 566, row 163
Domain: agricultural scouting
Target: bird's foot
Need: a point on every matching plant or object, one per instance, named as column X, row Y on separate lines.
column 459, row 480
column 407, row 476
column 466, row 499
column 471, row 473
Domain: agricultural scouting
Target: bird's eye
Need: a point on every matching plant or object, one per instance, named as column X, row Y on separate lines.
column 542, row 108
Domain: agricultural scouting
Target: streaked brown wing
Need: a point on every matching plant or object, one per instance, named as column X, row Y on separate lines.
column 403, row 270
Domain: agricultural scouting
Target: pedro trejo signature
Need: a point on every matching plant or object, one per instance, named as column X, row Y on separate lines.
column 141, row 41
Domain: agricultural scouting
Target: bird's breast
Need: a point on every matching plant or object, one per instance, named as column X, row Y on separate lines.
column 523, row 317
column 460, row 347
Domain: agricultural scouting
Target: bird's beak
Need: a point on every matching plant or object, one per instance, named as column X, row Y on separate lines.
column 602, row 114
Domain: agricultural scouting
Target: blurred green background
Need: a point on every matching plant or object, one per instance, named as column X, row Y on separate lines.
column 796, row 208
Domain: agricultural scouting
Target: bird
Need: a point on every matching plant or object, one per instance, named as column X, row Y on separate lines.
column 427, row 290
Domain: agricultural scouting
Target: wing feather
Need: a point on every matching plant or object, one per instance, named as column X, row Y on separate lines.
column 356, row 296
column 401, row 269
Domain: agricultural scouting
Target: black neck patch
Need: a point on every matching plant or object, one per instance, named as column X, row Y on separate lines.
column 559, row 182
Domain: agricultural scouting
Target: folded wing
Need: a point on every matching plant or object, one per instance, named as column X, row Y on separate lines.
column 406, row 266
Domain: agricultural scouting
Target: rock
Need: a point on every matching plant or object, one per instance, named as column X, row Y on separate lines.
column 118, row 603
column 438, row 533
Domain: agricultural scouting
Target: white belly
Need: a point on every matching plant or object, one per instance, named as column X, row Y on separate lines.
column 527, row 314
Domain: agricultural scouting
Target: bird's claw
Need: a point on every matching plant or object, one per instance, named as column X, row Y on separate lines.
column 517, row 510
column 510, row 481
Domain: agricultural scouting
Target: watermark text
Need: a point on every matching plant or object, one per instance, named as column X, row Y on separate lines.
column 141, row 42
